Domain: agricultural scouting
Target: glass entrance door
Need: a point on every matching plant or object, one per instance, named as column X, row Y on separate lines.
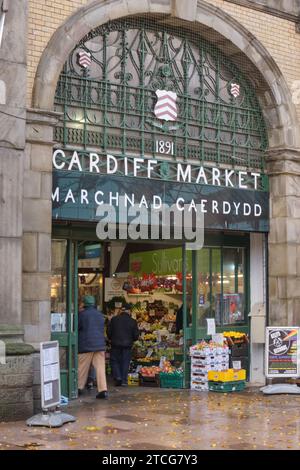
column 220, row 289
column 64, row 310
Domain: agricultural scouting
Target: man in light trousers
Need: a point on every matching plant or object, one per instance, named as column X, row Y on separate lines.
column 91, row 346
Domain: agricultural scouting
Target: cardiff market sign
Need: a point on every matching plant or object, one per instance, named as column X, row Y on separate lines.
column 229, row 198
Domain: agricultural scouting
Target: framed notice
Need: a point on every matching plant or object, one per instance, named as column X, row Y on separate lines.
column 282, row 351
column 50, row 374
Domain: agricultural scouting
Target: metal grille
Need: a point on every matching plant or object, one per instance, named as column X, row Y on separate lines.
column 109, row 104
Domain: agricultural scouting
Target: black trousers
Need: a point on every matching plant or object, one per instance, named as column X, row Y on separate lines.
column 120, row 359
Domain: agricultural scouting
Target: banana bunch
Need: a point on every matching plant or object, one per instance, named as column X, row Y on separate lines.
column 233, row 334
column 149, row 337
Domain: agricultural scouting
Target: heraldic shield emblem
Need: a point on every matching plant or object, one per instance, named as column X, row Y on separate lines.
column 166, row 108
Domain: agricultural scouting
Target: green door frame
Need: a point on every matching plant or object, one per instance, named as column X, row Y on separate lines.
column 68, row 339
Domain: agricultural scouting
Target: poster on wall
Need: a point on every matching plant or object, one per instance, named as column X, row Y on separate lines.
column 282, row 352
column 114, row 288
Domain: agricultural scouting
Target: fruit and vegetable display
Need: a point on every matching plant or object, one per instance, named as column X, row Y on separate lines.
column 165, row 375
column 149, row 283
column 235, row 337
column 156, row 322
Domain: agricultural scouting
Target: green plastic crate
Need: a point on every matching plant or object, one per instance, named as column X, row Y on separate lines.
column 171, row 380
column 225, row 387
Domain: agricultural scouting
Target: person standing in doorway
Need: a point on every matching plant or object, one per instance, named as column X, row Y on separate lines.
column 122, row 332
column 91, row 346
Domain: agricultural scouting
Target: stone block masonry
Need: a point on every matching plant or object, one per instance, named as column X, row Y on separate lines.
column 16, row 396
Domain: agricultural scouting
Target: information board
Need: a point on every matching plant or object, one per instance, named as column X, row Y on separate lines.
column 282, row 351
column 50, row 374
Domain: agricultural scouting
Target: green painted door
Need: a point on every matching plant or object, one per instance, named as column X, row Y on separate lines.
column 64, row 311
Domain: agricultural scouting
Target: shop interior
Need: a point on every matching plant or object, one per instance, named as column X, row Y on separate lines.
column 150, row 278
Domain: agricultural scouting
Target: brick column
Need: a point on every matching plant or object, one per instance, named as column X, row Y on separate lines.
column 284, row 240
column 37, row 218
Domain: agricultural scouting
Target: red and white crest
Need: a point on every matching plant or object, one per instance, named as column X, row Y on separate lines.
column 84, row 59
column 166, row 108
column 235, row 90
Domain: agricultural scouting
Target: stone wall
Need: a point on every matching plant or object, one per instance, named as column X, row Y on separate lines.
column 37, row 226
column 16, row 398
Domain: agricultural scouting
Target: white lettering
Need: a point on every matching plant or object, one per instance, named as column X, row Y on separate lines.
column 242, row 174
column 55, row 195
column 60, row 153
column 201, row 175
column 127, row 199
column 216, row 177
column 228, row 175
column 247, row 206
column 126, row 166
column 203, row 203
column 143, row 202
column 84, row 196
column 150, row 167
column 94, row 160
column 236, row 206
column 136, row 165
column 75, row 161
column 157, row 202
column 98, row 193
column 257, row 210
column 215, row 209
column 179, row 201
column 184, row 174
column 114, row 198
column 256, row 176
column 70, row 196
column 111, row 159
column 226, row 207
column 192, row 206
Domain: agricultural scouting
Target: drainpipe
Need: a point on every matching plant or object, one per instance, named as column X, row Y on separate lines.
column 267, row 278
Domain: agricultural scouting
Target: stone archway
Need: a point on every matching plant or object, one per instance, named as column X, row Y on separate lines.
column 280, row 116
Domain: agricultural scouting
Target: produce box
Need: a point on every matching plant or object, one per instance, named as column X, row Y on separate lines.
column 174, row 380
column 199, row 378
column 133, row 379
column 244, row 360
column 145, row 381
column 229, row 375
column 226, row 387
column 200, row 387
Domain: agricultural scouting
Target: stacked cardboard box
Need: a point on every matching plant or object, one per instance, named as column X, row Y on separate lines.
column 205, row 357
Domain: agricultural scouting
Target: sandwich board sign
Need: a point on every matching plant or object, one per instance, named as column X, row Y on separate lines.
column 51, row 416
column 50, row 374
column 282, row 352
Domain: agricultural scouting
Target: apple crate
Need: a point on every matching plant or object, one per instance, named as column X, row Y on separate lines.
column 171, row 380
column 227, row 387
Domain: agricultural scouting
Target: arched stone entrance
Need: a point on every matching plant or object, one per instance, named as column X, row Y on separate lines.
column 280, row 116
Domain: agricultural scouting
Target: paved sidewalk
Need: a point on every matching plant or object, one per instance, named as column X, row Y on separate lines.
column 152, row 419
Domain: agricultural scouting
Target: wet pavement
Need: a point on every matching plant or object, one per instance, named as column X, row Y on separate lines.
column 139, row 418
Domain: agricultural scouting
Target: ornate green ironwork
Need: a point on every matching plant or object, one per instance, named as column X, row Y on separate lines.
column 109, row 106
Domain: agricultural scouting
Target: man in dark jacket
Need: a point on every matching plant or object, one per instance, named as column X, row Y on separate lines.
column 123, row 332
column 91, row 346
